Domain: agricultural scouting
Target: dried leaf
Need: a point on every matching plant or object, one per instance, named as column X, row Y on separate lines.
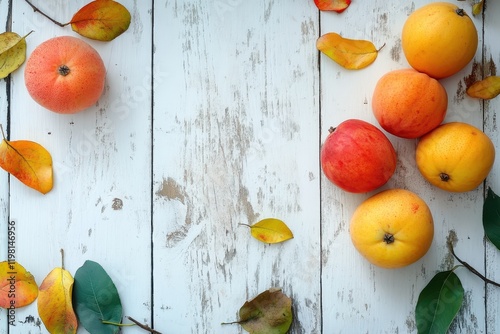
column 268, row 313
column 439, row 303
column 102, row 20
column 55, row 306
column 12, row 52
column 17, row 286
column 491, row 217
column 332, row 5
column 351, row 54
column 271, row 230
column 96, row 300
column 477, row 8
column 29, row 162
column 485, row 89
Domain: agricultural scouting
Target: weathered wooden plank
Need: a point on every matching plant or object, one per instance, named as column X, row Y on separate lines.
column 100, row 207
column 491, row 114
column 358, row 297
column 4, row 181
column 235, row 140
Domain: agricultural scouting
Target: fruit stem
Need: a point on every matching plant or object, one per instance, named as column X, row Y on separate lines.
column 389, row 238
column 331, row 129
column 471, row 269
column 444, row 177
column 63, row 70
column 460, row 12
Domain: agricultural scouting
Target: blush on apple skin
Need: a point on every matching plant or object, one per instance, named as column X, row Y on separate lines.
column 358, row 157
column 332, row 5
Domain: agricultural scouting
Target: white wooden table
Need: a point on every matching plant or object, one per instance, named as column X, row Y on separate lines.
column 213, row 115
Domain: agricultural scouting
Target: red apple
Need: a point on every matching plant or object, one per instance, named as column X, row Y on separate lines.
column 358, row 157
column 335, row 5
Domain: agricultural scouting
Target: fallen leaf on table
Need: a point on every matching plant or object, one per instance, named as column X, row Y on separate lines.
column 270, row 230
column 332, row 5
column 477, row 8
column 29, row 162
column 102, row 20
column 485, row 89
column 12, row 52
column 439, row 303
column 351, row 54
column 17, row 286
column 268, row 313
column 55, row 306
column 96, row 300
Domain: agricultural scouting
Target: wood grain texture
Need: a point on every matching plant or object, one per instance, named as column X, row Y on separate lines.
column 213, row 116
column 4, row 178
column 235, row 141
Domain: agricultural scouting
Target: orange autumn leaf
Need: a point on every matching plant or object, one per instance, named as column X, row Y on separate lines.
column 102, row 20
column 485, row 89
column 17, row 286
column 55, row 305
column 29, row 162
column 351, row 54
column 332, row 5
column 271, row 230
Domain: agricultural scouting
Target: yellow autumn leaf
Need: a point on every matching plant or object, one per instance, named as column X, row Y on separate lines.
column 271, row 231
column 17, row 286
column 29, row 162
column 55, row 306
column 485, row 89
column 351, row 54
column 477, row 8
column 12, row 52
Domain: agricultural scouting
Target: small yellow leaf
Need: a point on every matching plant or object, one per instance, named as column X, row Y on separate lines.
column 29, row 162
column 55, row 305
column 102, row 20
column 485, row 89
column 271, row 230
column 12, row 52
column 351, row 54
column 477, row 8
column 17, row 286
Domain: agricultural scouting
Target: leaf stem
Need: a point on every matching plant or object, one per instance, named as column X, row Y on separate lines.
column 145, row 327
column 35, row 9
column 115, row 323
column 471, row 268
column 62, row 258
column 3, row 133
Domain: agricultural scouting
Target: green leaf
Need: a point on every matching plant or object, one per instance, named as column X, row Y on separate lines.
column 96, row 299
column 491, row 218
column 439, row 303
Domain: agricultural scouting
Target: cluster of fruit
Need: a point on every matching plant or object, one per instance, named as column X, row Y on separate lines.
column 395, row 228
